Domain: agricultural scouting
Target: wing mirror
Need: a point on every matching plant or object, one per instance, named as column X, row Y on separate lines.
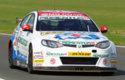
column 18, row 20
column 26, row 27
column 104, row 29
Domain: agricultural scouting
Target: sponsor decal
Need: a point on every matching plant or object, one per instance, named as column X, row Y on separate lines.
column 76, row 35
column 62, row 14
column 56, row 54
column 52, row 61
column 38, row 64
column 65, row 36
column 14, row 51
column 41, row 53
column 15, row 43
column 59, row 13
column 82, row 54
column 38, row 53
column 38, row 61
column 47, row 33
column 113, row 54
column 113, row 58
column 104, row 61
column 113, row 62
column 64, row 17
column 75, row 43
column 100, row 55
column 37, row 57
column 22, row 41
column 21, row 57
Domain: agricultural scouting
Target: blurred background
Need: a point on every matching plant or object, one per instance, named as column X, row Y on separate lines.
column 110, row 13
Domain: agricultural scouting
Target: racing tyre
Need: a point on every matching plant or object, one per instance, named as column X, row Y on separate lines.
column 107, row 73
column 10, row 57
column 30, row 60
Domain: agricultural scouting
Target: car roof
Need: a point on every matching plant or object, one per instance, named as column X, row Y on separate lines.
column 61, row 13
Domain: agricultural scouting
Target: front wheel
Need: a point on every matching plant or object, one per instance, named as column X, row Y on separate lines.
column 30, row 60
column 10, row 57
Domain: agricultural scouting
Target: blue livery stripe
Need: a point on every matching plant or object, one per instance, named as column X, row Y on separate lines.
column 94, row 36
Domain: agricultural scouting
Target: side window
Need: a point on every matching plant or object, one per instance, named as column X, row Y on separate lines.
column 31, row 21
column 25, row 20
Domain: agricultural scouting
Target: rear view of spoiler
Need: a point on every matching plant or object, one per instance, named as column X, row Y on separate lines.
column 18, row 20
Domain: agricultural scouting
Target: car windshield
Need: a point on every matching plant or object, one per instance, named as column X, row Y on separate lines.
column 66, row 25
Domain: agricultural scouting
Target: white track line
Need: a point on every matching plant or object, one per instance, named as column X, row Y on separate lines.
column 120, row 46
column 5, row 34
column 2, row 79
column 11, row 35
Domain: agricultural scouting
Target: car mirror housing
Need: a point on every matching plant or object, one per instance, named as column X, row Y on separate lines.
column 18, row 20
column 26, row 27
column 104, row 29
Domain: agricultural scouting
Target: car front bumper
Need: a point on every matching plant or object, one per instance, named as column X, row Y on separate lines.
column 76, row 69
column 59, row 59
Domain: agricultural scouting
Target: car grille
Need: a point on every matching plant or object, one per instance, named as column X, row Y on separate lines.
column 87, row 46
column 79, row 60
column 69, row 45
column 83, row 46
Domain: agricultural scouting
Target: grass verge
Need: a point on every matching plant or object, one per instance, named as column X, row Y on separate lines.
column 104, row 12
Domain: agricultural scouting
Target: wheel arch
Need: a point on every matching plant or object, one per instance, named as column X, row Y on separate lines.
column 113, row 47
column 30, row 59
column 36, row 47
column 9, row 45
column 30, row 44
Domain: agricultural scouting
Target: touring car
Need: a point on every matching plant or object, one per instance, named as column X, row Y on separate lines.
column 68, row 41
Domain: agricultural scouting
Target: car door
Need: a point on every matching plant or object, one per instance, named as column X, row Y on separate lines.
column 25, row 37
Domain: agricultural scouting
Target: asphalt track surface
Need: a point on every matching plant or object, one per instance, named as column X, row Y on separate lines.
column 21, row 74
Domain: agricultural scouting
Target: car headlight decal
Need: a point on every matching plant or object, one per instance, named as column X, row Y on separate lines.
column 51, row 44
column 103, row 44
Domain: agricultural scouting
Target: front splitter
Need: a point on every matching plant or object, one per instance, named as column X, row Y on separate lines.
column 76, row 69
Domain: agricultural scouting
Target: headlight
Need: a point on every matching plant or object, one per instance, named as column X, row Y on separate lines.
column 51, row 44
column 103, row 45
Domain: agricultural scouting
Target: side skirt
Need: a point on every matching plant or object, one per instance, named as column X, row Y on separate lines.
column 19, row 63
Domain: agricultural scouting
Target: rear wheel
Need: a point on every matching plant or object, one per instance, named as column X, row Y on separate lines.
column 30, row 60
column 10, row 57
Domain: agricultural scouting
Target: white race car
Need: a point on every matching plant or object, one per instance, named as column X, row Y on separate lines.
column 61, row 41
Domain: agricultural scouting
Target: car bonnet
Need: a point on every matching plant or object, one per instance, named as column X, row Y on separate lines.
column 73, row 36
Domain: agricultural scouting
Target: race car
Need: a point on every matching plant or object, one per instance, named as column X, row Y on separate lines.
column 66, row 41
